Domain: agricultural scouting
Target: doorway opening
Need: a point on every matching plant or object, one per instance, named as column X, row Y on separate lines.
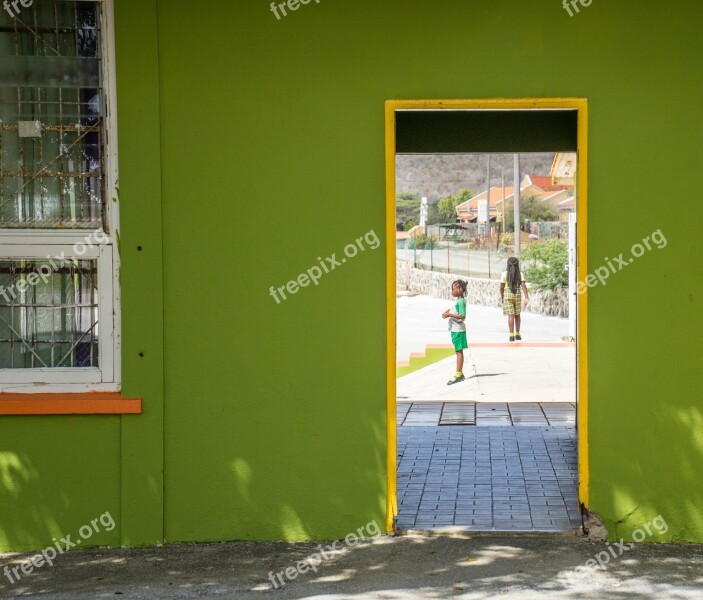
column 506, row 448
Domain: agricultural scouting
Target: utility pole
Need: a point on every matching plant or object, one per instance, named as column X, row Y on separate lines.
column 488, row 213
column 488, row 199
column 502, row 178
column 516, row 202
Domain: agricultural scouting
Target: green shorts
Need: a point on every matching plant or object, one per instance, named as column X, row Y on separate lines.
column 459, row 340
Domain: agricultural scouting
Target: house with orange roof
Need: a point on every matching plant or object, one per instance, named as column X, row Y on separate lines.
column 547, row 183
column 467, row 212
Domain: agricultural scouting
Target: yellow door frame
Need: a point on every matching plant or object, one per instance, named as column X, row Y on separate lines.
column 581, row 106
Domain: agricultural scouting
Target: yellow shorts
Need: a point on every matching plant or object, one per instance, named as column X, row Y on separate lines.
column 512, row 303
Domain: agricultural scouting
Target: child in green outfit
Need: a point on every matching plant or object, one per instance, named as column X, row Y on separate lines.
column 457, row 327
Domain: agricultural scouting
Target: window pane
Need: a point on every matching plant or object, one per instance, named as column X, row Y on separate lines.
column 51, row 116
column 48, row 316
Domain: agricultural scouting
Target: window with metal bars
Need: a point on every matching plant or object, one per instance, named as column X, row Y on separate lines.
column 51, row 323
column 51, row 149
column 58, row 297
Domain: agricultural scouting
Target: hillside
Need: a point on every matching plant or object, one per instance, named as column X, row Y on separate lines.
column 439, row 175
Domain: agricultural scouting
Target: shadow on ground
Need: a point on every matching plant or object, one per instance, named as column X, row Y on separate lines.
column 457, row 566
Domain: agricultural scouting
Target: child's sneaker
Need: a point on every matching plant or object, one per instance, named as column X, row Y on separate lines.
column 512, row 338
column 456, row 379
column 518, row 337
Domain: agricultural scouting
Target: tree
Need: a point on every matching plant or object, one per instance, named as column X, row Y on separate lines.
column 407, row 209
column 544, row 264
column 446, row 206
column 531, row 209
column 433, row 216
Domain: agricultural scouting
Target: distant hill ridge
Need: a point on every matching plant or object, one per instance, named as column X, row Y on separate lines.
column 439, row 175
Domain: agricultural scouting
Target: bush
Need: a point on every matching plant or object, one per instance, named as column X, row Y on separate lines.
column 507, row 239
column 422, row 241
column 531, row 209
column 544, row 264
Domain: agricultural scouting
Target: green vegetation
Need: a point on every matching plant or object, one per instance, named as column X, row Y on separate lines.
column 532, row 209
column 407, row 209
column 422, row 241
column 446, row 206
column 432, row 355
column 543, row 264
column 506, row 239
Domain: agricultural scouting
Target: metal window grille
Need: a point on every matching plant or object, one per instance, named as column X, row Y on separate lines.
column 53, row 183
column 48, row 314
column 51, row 117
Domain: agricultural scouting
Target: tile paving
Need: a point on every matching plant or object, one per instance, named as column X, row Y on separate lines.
column 501, row 477
column 484, row 414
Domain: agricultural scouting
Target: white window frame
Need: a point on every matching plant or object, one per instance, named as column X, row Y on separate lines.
column 37, row 244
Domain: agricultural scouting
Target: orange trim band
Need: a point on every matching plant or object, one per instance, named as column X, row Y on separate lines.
column 89, row 403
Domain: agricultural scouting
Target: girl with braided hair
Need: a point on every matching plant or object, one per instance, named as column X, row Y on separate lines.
column 511, row 282
column 457, row 327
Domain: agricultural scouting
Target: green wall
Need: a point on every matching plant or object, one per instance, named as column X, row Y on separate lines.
column 57, row 473
column 251, row 146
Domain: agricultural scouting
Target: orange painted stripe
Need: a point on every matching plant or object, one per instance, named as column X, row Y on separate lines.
column 87, row 403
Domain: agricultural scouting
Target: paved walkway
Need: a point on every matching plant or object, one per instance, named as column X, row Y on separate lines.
column 485, row 414
column 487, row 478
column 541, row 368
column 498, row 451
column 510, row 373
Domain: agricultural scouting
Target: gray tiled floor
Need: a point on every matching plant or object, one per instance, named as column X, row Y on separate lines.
column 485, row 414
column 499, row 478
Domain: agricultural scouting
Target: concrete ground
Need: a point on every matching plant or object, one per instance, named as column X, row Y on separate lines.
column 477, row 566
column 512, row 373
column 419, row 322
column 541, row 368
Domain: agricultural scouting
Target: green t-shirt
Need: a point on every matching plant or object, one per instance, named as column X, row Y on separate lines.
column 459, row 309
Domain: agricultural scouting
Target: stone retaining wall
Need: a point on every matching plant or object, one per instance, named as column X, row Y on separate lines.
column 484, row 292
